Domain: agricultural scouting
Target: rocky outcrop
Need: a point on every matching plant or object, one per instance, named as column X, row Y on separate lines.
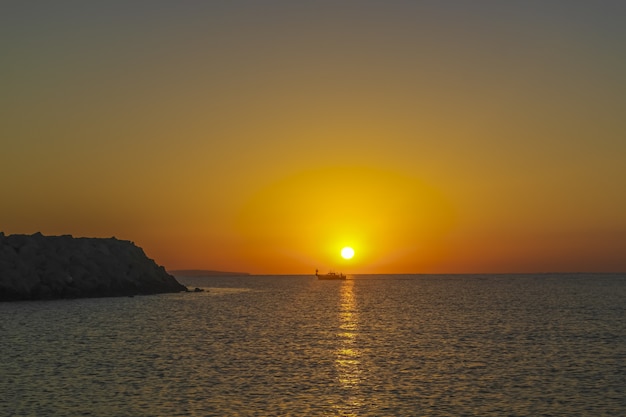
column 35, row 267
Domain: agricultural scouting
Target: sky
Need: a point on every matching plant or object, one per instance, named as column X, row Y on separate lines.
column 264, row 136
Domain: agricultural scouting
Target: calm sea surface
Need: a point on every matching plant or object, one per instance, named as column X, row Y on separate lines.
column 414, row 345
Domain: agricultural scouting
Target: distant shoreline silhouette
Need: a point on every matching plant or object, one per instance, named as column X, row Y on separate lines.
column 204, row 272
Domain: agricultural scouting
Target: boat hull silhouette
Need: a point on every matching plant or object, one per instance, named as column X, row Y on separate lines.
column 330, row 276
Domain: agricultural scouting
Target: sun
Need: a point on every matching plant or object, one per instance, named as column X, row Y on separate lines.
column 347, row 252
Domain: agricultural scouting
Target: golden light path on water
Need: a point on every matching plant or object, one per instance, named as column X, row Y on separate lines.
column 348, row 354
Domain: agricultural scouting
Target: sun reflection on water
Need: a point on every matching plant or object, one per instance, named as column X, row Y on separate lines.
column 348, row 354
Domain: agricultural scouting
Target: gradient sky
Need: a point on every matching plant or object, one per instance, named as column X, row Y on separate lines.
column 263, row 136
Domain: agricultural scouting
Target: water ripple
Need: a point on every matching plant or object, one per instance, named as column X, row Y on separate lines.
column 282, row 346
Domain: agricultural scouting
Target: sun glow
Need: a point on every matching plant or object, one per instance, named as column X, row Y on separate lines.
column 347, row 252
column 385, row 216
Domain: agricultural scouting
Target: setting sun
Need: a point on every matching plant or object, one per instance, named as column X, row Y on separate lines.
column 347, row 252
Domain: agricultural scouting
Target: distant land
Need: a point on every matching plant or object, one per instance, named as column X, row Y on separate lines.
column 203, row 273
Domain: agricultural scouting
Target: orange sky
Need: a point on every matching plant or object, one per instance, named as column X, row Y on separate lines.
column 264, row 137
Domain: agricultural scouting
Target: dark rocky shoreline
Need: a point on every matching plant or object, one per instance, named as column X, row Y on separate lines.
column 38, row 267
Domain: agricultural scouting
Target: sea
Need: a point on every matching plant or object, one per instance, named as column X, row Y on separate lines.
column 372, row 345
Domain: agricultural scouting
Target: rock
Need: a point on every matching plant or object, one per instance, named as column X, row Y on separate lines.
column 48, row 267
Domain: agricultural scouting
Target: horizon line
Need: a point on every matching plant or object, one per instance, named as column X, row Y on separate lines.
column 217, row 273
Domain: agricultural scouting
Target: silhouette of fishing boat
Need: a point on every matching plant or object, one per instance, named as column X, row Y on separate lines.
column 330, row 275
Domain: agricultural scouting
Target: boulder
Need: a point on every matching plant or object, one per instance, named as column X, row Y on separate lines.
column 34, row 267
